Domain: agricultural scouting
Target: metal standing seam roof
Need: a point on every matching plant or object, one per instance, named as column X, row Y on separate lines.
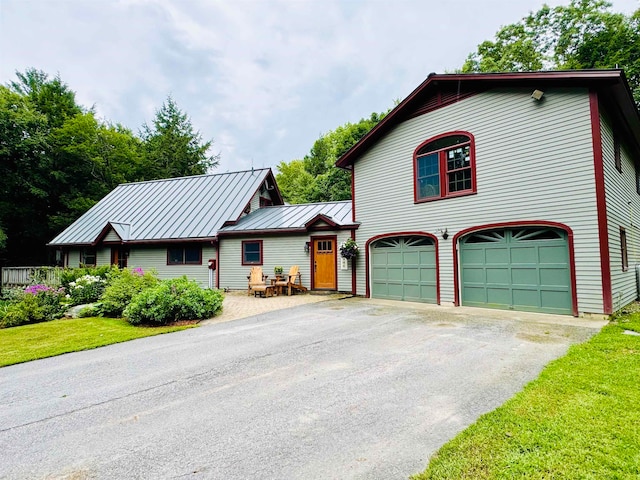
column 169, row 209
column 292, row 217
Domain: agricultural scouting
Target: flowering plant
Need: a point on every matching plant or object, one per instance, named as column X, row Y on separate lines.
column 349, row 249
column 86, row 289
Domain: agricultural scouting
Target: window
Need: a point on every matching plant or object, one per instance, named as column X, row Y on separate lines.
column 88, row 257
column 445, row 167
column 252, row 252
column 184, row 255
column 623, row 249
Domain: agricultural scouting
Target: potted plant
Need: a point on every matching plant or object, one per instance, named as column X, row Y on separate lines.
column 349, row 249
column 277, row 270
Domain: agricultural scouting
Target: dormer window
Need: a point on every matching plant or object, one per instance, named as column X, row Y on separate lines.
column 444, row 166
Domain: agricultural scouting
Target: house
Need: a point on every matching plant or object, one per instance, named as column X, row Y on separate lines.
column 212, row 228
column 509, row 190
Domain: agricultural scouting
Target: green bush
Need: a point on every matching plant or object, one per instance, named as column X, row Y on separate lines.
column 173, row 300
column 122, row 286
column 89, row 311
column 38, row 304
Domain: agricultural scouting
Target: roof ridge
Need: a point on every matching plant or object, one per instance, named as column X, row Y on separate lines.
column 157, row 180
column 305, row 204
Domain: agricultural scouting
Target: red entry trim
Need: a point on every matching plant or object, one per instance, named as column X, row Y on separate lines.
column 601, row 202
column 444, row 187
column 524, row 223
column 403, row 234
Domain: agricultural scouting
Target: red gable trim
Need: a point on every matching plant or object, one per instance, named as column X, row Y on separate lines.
column 103, row 233
column 320, row 218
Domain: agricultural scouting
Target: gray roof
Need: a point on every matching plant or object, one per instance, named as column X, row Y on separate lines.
column 171, row 209
column 292, row 217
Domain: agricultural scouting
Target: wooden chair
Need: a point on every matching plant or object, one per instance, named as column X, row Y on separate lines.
column 289, row 280
column 258, row 284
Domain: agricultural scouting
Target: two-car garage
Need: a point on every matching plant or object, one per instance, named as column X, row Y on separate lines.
column 520, row 268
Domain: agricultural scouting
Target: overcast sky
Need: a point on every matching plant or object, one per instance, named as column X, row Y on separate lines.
column 263, row 79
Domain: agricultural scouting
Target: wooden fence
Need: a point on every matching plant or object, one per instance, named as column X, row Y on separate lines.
column 25, row 276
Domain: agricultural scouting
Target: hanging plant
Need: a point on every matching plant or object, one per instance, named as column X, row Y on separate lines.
column 349, row 249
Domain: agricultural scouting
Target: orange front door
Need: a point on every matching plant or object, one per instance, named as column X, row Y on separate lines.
column 324, row 263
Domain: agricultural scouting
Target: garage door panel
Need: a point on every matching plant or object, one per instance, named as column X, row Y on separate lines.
column 555, row 276
column 474, row 295
column 498, row 296
column 474, row 275
column 497, row 256
column 473, row 257
column 525, row 276
column 553, row 254
column 409, row 271
column 497, row 275
column 428, row 274
column 524, row 255
column 525, row 269
column 411, row 274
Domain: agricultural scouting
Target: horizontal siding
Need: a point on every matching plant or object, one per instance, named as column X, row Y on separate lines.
column 156, row 258
column 623, row 210
column 283, row 251
column 112, row 236
column 534, row 161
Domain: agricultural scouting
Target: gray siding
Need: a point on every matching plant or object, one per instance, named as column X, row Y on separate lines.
column 112, row 236
column 155, row 258
column 284, row 251
column 534, row 161
column 623, row 210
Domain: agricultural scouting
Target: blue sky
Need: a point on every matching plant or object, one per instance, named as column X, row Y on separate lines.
column 263, row 79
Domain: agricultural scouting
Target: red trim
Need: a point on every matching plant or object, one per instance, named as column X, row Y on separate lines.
column 218, row 265
column 276, row 231
column 353, row 268
column 601, row 202
column 242, row 252
column 402, row 234
column 353, row 194
column 320, row 218
column 444, row 184
column 335, row 259
column 524, row 223
column 104, row 232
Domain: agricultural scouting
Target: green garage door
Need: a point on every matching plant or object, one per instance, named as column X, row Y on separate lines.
column 404, row 268
column 519, row 268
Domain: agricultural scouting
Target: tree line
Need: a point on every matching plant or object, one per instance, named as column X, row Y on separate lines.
column 57, row 159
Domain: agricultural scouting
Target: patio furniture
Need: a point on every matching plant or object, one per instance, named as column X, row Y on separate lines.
column 292, row 281
column 258, row 284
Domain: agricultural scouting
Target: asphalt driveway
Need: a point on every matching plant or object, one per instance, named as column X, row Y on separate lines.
column 339, row 389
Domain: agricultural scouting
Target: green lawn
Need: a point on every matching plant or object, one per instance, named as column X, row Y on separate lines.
column 579, row 420
column 41, row 340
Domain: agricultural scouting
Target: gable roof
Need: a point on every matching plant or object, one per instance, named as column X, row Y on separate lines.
column 294, row 218
column 175, row 209
column 439, row 90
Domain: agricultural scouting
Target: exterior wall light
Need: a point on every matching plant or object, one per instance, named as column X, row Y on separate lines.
column 307, row 246
column 537, row 95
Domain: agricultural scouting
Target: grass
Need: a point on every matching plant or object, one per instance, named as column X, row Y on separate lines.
column 580, row 419
column 48, row 339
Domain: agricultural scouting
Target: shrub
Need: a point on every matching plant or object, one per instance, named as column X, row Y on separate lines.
column 69, row 275
column 173, row 300
column 89, row 311
column 121, row 288
column 86, row 289
column 38, row 303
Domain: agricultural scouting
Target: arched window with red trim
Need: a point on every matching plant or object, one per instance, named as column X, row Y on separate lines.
column 444, row 166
